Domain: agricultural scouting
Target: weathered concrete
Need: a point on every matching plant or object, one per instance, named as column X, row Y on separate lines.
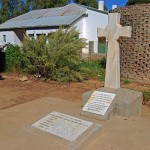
column 127, row 103
column 116, row 133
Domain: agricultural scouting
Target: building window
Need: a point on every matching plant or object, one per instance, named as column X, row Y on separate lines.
column 4, row 38
column 31, row 36
column 38, row 35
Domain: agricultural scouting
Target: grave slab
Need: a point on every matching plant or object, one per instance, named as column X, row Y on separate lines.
column 70, row 131
column 126, row 103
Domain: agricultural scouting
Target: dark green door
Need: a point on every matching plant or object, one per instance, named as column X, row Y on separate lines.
column 102, row 45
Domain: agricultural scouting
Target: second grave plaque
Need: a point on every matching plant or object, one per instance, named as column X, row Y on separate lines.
column 99, row 102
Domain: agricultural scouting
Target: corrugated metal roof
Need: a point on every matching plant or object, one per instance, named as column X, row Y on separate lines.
column 71, row 9
column 40, row 22
column 60, row 16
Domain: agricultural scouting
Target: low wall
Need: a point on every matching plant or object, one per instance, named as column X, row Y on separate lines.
column 135, row 51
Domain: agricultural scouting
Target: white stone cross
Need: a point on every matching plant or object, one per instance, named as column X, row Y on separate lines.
column 112, row 32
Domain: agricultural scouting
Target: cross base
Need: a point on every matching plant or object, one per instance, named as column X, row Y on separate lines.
column 127, row 103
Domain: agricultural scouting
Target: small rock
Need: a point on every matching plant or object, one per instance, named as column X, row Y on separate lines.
column 24, row 78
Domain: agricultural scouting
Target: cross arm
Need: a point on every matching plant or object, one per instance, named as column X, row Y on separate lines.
column 125, row 31
column 101, row 32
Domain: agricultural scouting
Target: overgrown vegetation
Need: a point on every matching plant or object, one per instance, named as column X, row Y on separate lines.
column 146, row 95
column 92, row 69
column 133, row 2
column 126, row 81
column 58, row 59
column 13, row 58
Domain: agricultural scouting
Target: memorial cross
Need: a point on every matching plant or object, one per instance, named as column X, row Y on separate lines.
column 112, row 32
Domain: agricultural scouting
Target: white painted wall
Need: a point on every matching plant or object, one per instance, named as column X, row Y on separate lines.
column 79, row 27
column 92, row 22
column 16, row 40
column 88, row 27
column 9, row 37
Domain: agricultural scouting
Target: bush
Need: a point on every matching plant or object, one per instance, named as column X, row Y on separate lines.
column 126, row 81
column 58, row 59
column 92, row 69
column 103, row 63
column 133, row 2
column 13, row 58
column 146, row 95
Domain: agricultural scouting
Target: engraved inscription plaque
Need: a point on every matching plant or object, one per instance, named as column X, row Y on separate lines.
column 99, row 102
column 62, row 125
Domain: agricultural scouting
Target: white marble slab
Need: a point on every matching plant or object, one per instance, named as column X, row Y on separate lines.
column 64, row 126
column 99, row 102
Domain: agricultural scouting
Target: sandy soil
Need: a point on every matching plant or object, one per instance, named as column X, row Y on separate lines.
column 14, row 92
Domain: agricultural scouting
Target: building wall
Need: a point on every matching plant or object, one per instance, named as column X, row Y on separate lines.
column 95, row 20
column 9, row 37
column 79, row 27
column 92, row 22
column 12, row 37
column 88, row 27
column 135, row 51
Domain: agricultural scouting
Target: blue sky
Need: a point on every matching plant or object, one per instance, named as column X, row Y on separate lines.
column 119, row 3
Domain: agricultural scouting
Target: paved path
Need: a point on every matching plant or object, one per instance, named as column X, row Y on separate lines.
column 116, row 134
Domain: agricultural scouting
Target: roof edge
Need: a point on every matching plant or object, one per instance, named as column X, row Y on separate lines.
column 91, row 8
column 101, row 11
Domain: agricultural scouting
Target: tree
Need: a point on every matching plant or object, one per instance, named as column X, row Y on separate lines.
column 16, row 8
column 4, row 10
column 12, row 8
column 42, row 4
column 133, row 2
column 91, row 3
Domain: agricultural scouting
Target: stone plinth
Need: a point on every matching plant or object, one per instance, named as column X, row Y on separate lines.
column 127, row 103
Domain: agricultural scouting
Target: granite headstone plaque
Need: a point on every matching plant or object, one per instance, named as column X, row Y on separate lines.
column 99, row 102
column 64, row 126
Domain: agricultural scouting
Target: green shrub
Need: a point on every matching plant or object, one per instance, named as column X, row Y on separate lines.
column 126, row 81
column 59, row 59
column 13, row 58
column 103, row 63
column 146, row 95
column 92, row 69
column 133, row 2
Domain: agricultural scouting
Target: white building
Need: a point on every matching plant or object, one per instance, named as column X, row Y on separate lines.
column 44, row 21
